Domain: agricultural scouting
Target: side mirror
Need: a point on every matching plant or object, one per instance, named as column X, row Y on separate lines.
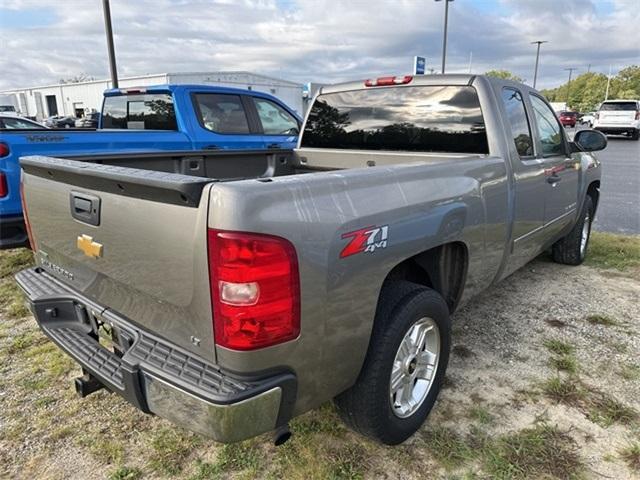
column 590, row 140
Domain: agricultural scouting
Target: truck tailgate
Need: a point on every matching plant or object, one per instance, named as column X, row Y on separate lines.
column 133, row 241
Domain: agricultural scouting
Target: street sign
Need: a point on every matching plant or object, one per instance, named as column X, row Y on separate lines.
column 419, row 65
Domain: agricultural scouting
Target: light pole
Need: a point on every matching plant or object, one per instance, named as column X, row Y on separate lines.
column 444, row 40
column 569, row 84
column 535, row 71
column 112, row 54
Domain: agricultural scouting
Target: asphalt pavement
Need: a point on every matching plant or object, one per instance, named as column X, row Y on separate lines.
column 619, row 206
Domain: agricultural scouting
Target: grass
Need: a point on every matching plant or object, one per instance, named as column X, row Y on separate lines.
column 559, row 347
column 539, row 452
column 597, row 406
column 619, row 252
column 11, row 298
column 565, row 363
column 605, row 411
column 236, row 457
column 602, row 320
column 631, row 455
column 125, row 473
column 449, row 448
column 563, row 390
column 171, row 447
column 630, row 372
column 481, row 415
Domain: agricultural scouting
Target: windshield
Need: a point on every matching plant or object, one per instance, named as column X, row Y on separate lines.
column 422, row 118
column 619, row 106
column 7, row 108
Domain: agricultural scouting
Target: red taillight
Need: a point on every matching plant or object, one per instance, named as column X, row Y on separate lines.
column 255, row 289
column 4, row 150
column 637, row 114
column 596, row 116
column 385, row 81
column 32, row 242
column 4, row 189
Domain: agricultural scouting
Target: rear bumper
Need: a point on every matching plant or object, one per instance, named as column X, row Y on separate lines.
column 13, row 232
column 154, row 375
column 615, row 129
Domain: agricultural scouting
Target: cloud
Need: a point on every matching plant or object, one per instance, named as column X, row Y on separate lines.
column 307, row 40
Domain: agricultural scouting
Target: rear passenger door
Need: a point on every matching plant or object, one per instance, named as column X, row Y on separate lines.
column 280, row 127
column 224, row 121
column 560, row 189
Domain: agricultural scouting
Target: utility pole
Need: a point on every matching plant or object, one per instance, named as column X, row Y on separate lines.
column 535, row 71
column 470, row 60
column 111, row 50
column 444, row 40
column 569, row 84
column 606, row 94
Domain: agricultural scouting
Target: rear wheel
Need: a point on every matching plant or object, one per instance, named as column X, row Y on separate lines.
column 636, row 134
column 572, row 249
column 405, row 365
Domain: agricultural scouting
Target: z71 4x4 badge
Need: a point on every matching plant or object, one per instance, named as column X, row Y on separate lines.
column 366, row 240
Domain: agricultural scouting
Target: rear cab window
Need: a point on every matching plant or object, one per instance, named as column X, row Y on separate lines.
column 517, row 116
column 621, row 106
column 416, row 118
column 151, row 111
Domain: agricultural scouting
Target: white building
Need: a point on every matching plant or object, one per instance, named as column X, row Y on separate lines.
column 74, row 99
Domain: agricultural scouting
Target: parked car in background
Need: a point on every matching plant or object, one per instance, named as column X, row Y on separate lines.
column 568, row 119
column 587, row 119
column 239, row 293
column 619, row 117
column 88, row 121
column 153, row 119
column 18, row 123
column 60, row 122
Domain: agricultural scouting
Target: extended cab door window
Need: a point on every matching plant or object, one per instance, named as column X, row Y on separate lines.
column 152, row 111
column 517, row 117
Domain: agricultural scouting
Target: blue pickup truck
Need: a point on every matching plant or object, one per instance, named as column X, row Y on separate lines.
column 147, row 119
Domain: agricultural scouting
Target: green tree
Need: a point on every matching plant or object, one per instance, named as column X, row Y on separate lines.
column 504, row 74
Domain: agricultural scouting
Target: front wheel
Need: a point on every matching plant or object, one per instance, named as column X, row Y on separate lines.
column 405, row 365
column 572, row 249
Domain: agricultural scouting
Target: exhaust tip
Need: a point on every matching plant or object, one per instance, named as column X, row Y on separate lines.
column 281, row 435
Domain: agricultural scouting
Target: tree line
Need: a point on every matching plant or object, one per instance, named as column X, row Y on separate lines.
column 588, row 90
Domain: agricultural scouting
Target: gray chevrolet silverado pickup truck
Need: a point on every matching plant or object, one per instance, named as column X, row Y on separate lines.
column 231, row 292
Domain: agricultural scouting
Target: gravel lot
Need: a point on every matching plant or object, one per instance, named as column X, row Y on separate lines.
column 544, row 381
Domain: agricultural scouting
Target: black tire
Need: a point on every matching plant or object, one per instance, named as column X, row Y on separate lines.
column 635, row 135
column 568, row 249
column 366, row 406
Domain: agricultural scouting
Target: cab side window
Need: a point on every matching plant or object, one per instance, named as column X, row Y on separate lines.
column 549, row 128
column 517, row 116
column 221, row 113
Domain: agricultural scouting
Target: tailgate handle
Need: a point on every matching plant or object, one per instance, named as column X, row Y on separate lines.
column 85, row 207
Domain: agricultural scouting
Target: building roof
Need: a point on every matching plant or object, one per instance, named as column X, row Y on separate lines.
column 151, row 75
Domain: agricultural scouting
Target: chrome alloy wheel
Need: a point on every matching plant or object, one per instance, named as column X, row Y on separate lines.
column 414, row 367
column 586, row 226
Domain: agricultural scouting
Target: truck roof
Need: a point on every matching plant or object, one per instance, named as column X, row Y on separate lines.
column 459, row 79
column 172, row 88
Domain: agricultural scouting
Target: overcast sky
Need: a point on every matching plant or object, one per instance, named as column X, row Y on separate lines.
column 42, row 41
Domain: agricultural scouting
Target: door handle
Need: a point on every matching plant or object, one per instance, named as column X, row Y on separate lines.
column 211, row 147
column 553, row 179
column 273, row 145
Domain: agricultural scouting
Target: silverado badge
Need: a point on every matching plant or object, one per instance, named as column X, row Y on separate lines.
column 89, row 247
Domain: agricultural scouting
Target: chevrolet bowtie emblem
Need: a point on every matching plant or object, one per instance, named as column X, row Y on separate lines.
column 89, row 247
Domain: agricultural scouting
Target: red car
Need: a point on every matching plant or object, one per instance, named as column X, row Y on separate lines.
column 568, row 119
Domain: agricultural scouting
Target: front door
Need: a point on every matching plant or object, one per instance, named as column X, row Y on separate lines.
column 528, row 174
column 560, row 170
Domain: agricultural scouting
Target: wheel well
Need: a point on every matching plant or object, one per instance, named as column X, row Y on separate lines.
column 443, row 268
column 594, row 192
